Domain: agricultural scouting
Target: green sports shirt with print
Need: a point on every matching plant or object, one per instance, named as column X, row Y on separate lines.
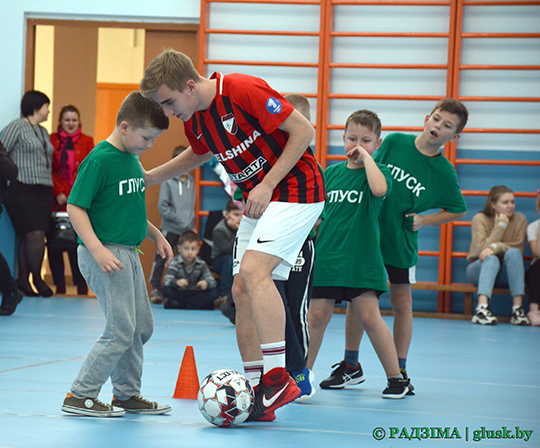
column 421, row 183
column 110, row 186
column 347, row 246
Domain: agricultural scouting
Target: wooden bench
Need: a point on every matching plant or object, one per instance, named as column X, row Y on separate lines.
column 465, row 288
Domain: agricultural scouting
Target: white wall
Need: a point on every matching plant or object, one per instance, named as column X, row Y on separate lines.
column 13, row 31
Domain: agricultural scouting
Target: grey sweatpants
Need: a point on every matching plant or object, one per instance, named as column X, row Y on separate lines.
column 118, row 353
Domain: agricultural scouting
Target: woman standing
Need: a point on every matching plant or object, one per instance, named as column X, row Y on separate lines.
column 30, row 195
column 71, row 146
column 496, row 254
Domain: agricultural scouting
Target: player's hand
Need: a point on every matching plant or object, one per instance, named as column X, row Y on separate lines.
column 257, row 201
column 486, row 253
column 418, row 221
column 202, row 284
column 357, row 155
column 61, row 198
column 107, row 261
column 164, row 249
column 182, row 283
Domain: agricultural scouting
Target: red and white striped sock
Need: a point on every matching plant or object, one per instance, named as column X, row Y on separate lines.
column 253, row 371
column 273, row 355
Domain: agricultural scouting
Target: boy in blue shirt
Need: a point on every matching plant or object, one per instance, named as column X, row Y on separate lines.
column 107, row 208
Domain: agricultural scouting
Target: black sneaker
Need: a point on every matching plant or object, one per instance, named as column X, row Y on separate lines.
column 10, row 302
column 396, row 388
column 276, row 389
column 343, row 376
column 91, row 407
column 411, row 387
column 140, row 405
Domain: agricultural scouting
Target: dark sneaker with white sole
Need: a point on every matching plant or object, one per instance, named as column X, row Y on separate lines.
column 411, row 387
column 343, row 376
column 396, row 388
column 91, row 407
column 140, row 405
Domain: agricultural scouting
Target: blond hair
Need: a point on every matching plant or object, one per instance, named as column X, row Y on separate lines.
column 300, row 103
column 172, row 68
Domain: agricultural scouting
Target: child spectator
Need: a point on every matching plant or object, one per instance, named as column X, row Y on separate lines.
column 223, row 237
column 499, row 237
column 532, row 276
column 177, row 208
column 188, row 283
column 108, row 210
column 423, row 180
column 349, row 266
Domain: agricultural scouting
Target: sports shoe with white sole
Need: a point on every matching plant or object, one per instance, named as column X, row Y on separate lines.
column 397, row 388
column 343, row 376
column 483, row 316
column 519, row 317
column 140, row 405
column 91, row 407
column 276, row 389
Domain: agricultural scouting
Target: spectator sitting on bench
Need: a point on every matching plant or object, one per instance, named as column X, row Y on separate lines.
column 496, row 254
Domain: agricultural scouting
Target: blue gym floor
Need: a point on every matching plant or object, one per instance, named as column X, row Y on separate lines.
column 467, row 377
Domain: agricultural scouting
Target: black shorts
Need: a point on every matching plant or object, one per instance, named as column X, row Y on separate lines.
column 398, row 276
column 340, row 293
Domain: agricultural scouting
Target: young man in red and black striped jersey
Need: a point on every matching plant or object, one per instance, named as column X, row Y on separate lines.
column 263, row 143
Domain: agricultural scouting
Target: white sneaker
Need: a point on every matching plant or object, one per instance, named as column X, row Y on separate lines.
column 155, row 296
column 519, row 317
column 483, row 316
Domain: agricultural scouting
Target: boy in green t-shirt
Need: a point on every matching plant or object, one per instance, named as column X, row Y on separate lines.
column 108, row 211
column 349, row 265
column 423, row 180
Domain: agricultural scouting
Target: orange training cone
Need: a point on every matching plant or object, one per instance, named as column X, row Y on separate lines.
column 187, row 385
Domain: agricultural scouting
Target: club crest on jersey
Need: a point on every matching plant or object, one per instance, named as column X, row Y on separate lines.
column 229, row 123
column 273, row 106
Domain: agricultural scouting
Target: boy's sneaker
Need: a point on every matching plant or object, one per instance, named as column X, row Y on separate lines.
column 396, row 388
column 483, row 316
column 276, row 389
column 405, row 376
column 534, row 318
column 155, row 296
column 91, row 407
column 140, row 405
column 343, row 376
column 519, row 317
column 304, row 380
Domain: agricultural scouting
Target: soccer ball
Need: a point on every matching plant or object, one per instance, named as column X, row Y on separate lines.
column 225, row 398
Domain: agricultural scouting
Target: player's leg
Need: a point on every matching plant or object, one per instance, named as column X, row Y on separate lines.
column 366, row 307
column 319, row 315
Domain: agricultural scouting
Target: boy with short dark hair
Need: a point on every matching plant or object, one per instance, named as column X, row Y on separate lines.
column 188, row 283
column 108, row 210
column 423, row 180
column 349, row 265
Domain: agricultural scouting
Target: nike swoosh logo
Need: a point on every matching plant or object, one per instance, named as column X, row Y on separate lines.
column 263, row 241
column 268, row 403
column 199, row 136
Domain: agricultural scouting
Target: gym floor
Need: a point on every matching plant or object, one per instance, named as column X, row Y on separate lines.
column 473, row 384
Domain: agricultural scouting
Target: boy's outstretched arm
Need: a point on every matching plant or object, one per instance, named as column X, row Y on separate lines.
column 376, row 180
column 435, row 219
column 162, row 245
column 181, row 164
column 103, row 256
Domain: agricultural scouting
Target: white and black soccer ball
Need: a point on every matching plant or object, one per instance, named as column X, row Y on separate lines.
column 225, row 398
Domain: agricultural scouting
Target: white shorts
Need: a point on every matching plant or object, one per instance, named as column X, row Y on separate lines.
column 280, row 231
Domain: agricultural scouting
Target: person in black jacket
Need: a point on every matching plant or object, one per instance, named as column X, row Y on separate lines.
column 11, row 296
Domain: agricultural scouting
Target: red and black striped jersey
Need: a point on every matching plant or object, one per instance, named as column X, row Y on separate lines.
column 241, row 129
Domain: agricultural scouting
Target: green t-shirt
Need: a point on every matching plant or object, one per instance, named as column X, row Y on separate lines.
column 110, row 186
column 347, row 248
column 421, row 183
